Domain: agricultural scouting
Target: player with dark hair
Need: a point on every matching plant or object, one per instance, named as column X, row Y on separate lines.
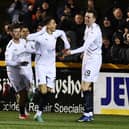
column 15, row 61
column 45, row 60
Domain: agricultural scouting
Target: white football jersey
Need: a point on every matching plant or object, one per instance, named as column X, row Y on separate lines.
column 15, row 53
column 92, row 41
column 45, row 47
column 92, row 58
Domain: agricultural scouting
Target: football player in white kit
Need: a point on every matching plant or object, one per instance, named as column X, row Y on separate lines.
column 91, row 63
column 31, row 50
column 45, row 60
column 28, row 69
column 15, row 61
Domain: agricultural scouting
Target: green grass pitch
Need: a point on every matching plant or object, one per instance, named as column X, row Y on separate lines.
column 9, row 120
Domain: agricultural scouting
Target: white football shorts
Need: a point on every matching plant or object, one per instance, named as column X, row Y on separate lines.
column 91, row 68
column 45, row 75
column 17, row 79
column 29, row 73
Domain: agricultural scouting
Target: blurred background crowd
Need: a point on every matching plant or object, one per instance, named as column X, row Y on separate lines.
column 69, row 14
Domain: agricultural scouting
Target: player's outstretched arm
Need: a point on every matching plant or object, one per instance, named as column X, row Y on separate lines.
column 62, row 35
column 32, row 36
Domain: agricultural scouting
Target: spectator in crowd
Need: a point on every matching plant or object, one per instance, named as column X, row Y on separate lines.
column 66, row 19
column 120, row 3
column 5, row 38
column 118, row 18
column 106, row 50
column 7, row 34
column 1, row 47
column 90, row 5
column 125, row 30
column 126, row 25
column 16, row 9
column 73, row 6
column 28, row 17
column 68, row 5
column 78, row 28
column 126, row 41
column 31, row 2
column 127, row 15
column 47, row 9
column 70, row 17
column 116, row 48
column 107, row 29
column 108, row 11
column 37, row 18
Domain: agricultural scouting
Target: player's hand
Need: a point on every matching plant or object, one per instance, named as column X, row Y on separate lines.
column 81, row 56
column 67, row 52
column 24, row 63
column 60, row 55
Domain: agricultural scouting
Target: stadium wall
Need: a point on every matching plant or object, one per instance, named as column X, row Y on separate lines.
column 111, row 91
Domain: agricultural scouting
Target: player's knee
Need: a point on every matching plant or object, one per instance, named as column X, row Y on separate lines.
column 50, row 90
column 91, row 87
column 17, row 98
column 43, row 89
column 85, row 86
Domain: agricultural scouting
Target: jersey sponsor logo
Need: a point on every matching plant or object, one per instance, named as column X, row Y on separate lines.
column 38, row 80
column 87, row 73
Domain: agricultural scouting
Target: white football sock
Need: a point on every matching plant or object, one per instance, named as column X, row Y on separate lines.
column 86, row 114
column 39, row 113
column 91, row 113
